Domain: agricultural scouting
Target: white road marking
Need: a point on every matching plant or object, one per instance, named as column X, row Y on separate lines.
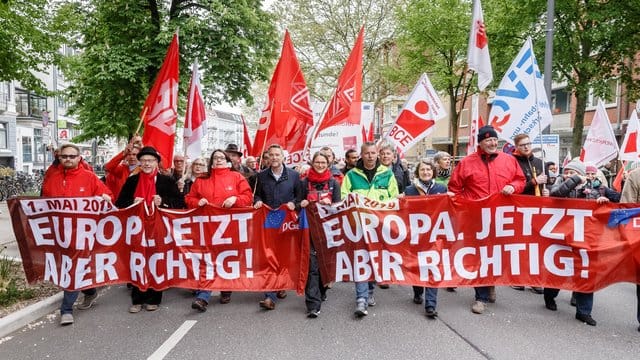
column 172, row 341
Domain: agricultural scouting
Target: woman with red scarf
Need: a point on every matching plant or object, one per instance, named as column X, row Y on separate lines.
column 151, row 187
column 322, row 187
column 222, row 187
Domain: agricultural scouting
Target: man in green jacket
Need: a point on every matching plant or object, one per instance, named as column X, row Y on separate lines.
column 377, row 182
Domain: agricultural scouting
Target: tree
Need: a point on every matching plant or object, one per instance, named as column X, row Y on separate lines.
column 324, row 31
column 29, row 42
column 122, row 44
column 433, row 37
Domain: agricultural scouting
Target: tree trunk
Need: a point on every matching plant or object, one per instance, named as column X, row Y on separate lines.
column 578, row 123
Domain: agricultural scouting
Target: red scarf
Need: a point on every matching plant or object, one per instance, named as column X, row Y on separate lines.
column 318, row 178
column 146, row 187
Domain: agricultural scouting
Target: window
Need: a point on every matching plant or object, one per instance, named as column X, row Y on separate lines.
column 5, row 91
column 464, row 118
column 27, row 149
column 611, row 97
column 37, row 141
column 3, row 135
column 560, row 101
column 28, row 104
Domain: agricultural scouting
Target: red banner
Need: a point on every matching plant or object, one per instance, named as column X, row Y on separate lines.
column 80, row 243
column 439, row 241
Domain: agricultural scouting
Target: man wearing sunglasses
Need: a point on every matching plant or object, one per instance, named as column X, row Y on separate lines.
column 69, row 179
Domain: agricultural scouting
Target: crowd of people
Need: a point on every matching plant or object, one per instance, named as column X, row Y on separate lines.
column 135, row 175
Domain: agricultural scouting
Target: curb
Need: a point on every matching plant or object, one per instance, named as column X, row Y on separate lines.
column 20, row 318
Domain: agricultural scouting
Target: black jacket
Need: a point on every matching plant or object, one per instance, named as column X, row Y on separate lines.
column 274, row 192
column 527, row 164
column 166, row 187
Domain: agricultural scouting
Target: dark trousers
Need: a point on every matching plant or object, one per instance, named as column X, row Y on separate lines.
column 584, row 301
column 313, row 291
column 482, row 293
column 151, row 297
column 638, row 298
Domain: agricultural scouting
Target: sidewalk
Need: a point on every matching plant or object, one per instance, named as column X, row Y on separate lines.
column 7, row 238
column 33, row 312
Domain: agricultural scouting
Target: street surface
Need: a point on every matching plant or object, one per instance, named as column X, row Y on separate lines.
column 516, row 327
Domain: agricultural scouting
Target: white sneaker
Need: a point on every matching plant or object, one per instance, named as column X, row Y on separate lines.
column 66, row 319
column 371, row 301
column 361, row 308
column 478, row 307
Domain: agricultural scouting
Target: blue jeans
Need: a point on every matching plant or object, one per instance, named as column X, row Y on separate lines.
column 430, row 295
column 271, row 295
column 482, row 293
column 584, row 301
column 364, row 289
column 70, row 298
column 204, row 295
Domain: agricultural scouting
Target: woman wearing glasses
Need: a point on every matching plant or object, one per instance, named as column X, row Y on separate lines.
column 220, row 186
column 153, row 188
column 197, row 169
column 424, row 184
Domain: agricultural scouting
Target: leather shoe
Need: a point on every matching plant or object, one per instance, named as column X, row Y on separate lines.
column 417, row 299
column 587, row 319
column 550, row 303
column 267, row 304
column 199, row 305
column 431, row 312
column 225, row 299
column 281, row 294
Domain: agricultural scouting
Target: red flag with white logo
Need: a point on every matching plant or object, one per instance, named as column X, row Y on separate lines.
column 162, row 106
column 418, row 116
column 631, row 142
column 247, row 147
column 195, row 118
column 478, row 52
column 286, row 117
column 600, row 145
column 346, row 104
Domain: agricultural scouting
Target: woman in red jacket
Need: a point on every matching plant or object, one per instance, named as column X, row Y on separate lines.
column 221, row 187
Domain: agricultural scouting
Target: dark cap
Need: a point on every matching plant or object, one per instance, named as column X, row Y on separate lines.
column 148, row 150
column 486, row 132
column 233, row 148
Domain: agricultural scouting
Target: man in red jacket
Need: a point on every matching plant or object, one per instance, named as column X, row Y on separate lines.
column 123, row 165
column 70, row 179
column 481, row 174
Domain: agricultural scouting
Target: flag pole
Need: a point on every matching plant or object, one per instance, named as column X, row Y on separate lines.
column 535, row 95
column 264, row 142
column 144, row 114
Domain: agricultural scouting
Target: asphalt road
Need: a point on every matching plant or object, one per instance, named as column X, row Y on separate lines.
column 516, row 327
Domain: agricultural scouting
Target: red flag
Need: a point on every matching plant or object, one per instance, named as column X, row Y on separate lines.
column 195, row 119
column 162, row 106
column 345, row 105
column 247, row 147
column 617, row 182
column 287, row 115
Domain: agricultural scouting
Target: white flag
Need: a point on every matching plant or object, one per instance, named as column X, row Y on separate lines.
column 476, row 123
column 521, row 105
column 600, row 146
column 631, row 142
column 478, row 52
column 195, row 119
column 418, row 116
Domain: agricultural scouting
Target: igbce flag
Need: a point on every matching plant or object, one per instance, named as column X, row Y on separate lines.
column 521, row 105
column 418, row 116
column 631, row 143
column 478, row 52
column 161, row 106
column 286, row 117
column 196, row 118
column 600, row 146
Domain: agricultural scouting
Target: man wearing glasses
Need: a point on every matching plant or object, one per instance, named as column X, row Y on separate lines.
column 533, row 170
column 70, row 179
